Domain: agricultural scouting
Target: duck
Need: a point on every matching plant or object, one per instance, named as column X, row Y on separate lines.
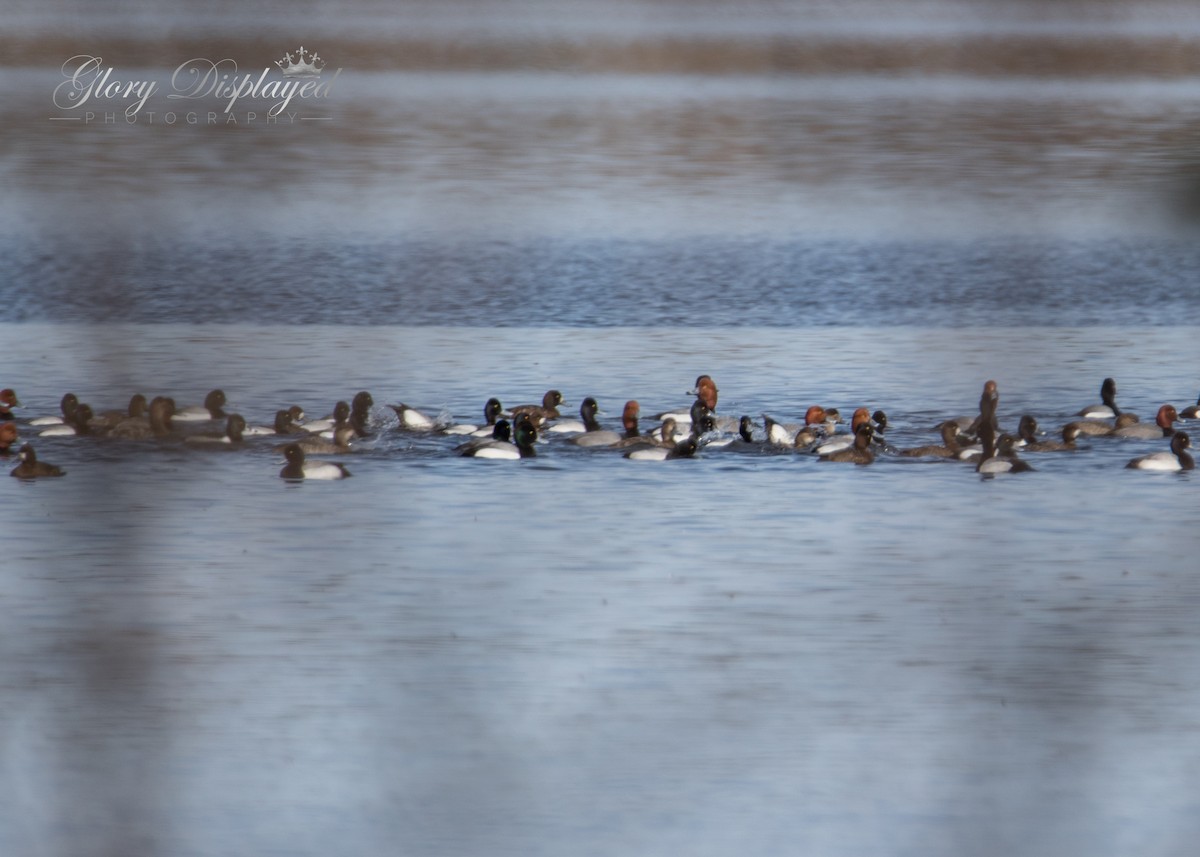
column 212, row 409
column 588, row 409
column 341, row 417
column 8, row 400
column 1070, row 433
column 861, row 452
column 816, row 427
column 286, row 422
column 547, row 410
column 949, row 447
column 705, row 391
column 79, row 424
column 1099, row 428
column 501, row 434
column 669, row 433
column 411, row 419
column 1191, row 412
column 105, row 421
column 492, row 410
column 686, row 448
column 844, row 441
column 1002, row 459
column 360, row 413
column 1162, row 425
column 989, row 400
column 67, row 406
column 597, row 436
column 31, row 468
column 820, row 424
column 8, row 436
column 235, row 424
column 524, row 437
column 318, row 445
column 297, row 468
column 1175, row 460
column 157, row 423
column 1107, row 410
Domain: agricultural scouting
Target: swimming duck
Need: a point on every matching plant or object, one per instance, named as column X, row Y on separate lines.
column 8, row 400
column 234, row 426
column 1177, row 459
column 501, row 434
column 861, row 452
column 492, row 410
column 1107, row 410
column 157, row 423
column 286, row 423
column 597, row 436
column 844, row 441
column 524, row 437
column 67, row 406
column 298, row 468
column 588, row 409
column 104, row 422
column 989, row 400
column 948, row 449
column 8, row 436
column 1070, row 432
column 212, row 409
column 412, row 419
column 1191, row 412
column 685, row 448
column 360, row 413
column 317, row 445
column 816, row 427
column 999, row 460
column 547, row 410
column 31, row 468
column 705, row 391
column 79, row 424
column 1100, row 428
column 341, row 417
column 1162, row 425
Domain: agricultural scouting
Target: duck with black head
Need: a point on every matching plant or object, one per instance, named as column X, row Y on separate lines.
column 298, row 468
column 1107, row 409
column 1170, row 462
column 67, row 406
column 31, row 468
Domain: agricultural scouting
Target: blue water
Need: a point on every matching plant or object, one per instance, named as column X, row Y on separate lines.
column 745, row 653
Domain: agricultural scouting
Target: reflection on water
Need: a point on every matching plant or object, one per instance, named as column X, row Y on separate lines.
column 606, row 282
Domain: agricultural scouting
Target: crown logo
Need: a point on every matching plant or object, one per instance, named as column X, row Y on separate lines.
column 303, row 68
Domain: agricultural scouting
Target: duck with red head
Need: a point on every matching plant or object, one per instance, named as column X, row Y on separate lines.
column 844, row 441
column 706, row 391
column 860, row 452
column 8, row 400
column 1163, row 425
column 8, row 436
column 816, row 427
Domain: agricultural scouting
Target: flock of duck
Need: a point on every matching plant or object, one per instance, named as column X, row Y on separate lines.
column 513, row 433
